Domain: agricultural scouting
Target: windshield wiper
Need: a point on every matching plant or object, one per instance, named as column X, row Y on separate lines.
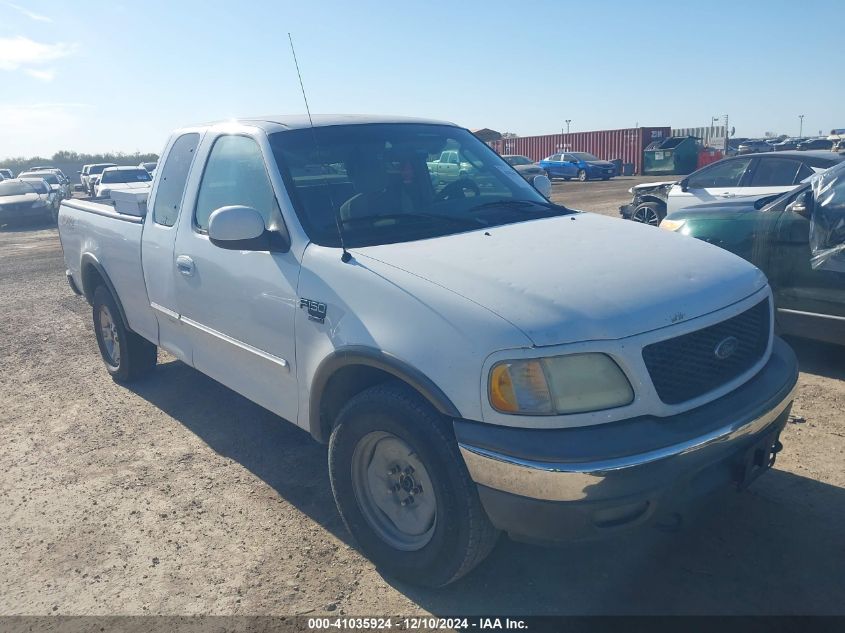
column 470, row 222
column 514, row 202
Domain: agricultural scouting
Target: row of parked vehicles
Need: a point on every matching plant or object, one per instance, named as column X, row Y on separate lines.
column 799, row 143
column 760, row 207
column 477, row 358
column 34, row 193
column 100, row 179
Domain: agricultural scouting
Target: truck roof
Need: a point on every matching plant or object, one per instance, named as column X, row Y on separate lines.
column 278, row 123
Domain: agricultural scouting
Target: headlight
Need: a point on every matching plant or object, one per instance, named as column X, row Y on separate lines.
column 672, row 225
column 575, row 383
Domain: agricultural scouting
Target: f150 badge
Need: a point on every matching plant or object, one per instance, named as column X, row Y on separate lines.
column 316, row 309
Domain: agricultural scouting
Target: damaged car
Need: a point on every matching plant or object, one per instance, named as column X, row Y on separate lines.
column 748, row 175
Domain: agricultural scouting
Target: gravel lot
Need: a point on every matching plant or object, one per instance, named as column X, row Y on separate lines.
column 177, row 496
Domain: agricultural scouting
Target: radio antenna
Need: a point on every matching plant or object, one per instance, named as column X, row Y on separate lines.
column 346, row 256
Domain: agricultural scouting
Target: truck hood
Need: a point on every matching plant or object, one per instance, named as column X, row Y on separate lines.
column 579, row 277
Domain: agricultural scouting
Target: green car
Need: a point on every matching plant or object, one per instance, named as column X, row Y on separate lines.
column 774, row 233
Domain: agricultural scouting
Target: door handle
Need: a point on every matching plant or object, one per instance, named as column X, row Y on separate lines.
column 727, row 195
column 185, row 265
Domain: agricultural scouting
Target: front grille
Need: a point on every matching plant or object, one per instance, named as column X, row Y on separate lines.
column 688, row 366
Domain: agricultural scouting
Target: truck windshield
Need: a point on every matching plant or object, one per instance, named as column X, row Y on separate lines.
column 385, row 183
column 125, row 175
column 53, row 179
column 98, row 169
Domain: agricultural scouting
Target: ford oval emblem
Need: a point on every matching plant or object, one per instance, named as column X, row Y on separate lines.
column 726, row 348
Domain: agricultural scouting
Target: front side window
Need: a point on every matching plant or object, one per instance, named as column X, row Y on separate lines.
column 722, row 174
column 174, row 175
column 381, row 183
column 235, row 174
column 775, row 172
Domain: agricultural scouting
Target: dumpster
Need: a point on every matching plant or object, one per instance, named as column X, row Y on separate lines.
column 673, row 155
column 627, row 169
column 617, row 164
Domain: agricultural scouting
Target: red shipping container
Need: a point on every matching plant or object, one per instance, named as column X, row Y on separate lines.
column 709, row 155
column 627, row 144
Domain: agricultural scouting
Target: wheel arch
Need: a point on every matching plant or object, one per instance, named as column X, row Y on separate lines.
column 93, row 274
column 649, row 197
column 348, row 371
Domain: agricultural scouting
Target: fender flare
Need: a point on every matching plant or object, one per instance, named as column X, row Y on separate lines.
column 90, row 260
column 378, row 359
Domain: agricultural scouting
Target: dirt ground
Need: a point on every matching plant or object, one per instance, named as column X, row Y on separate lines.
column 177, row 496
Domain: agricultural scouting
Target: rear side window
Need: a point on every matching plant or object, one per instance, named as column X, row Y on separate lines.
column 775, row 172
column 235, row 174
column 174, row 175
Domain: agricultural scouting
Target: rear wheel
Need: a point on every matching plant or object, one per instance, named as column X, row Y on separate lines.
column 403, row 490
column 650, row 213
column 127, row 356
column 582, row 175
column 549, row 175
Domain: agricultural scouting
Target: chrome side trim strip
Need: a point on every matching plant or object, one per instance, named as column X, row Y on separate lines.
column 281, row 362
column 165, row 311
column 813, row 314
column 555, row 481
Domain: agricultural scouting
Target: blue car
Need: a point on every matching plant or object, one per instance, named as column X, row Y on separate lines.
column 581, row 165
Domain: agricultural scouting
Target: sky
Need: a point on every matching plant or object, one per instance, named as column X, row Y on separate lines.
column 119, row 76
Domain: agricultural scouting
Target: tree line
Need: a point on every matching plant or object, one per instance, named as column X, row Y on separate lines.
column 65, row 157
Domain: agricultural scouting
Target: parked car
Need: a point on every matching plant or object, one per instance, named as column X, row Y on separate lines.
column 838, row 145
column 751, row 175
column 772, row 233
column 815, row 143
column 6, row 173
column 56, row 184
column 787, row 144
column 526, row 167
column 581, row 165
column 83, row 177
column 150, row 167
column 25, row 200
column 465, row 380
column 754, row 146
column 122, row 179
column 93, row 177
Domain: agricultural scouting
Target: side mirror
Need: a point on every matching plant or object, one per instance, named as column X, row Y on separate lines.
column 684, row 184
column 238, row 228
column 543, row 185
column 801, row 205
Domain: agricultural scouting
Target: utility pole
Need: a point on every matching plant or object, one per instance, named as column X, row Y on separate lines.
column 568, row 121
column 801, row 125
column 726, row 135
column 712, row 121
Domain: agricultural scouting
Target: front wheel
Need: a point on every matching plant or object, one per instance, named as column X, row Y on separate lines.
column 403, row 490
column 549, row 175
column 651, row 213
column 127, row 356
column 582, row 175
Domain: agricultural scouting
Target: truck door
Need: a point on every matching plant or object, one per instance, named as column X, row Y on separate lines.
column 158, row 241
column 238, row 306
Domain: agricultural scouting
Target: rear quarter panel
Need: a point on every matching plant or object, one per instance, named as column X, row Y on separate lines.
column 115, row 244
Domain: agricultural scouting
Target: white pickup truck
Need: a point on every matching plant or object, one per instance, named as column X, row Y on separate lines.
column 477, row 359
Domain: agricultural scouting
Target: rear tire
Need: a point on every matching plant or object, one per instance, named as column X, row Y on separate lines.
column 127, row 356
column 549, row 176
column 582, row 175
column 443, row 532
column 651, row 213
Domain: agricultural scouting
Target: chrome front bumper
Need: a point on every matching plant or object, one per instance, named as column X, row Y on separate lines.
column 551, row 481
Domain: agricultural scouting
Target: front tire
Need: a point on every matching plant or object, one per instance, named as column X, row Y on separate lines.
column 651, row 213
column 127, row 356
column 403, row 490
column 582, row 175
